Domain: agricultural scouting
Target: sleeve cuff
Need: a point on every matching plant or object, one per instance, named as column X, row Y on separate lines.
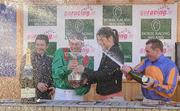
column 88, row 75
column 86, row 70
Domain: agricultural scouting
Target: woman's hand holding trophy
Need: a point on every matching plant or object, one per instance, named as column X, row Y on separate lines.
column 73, row 64
column 75, row 78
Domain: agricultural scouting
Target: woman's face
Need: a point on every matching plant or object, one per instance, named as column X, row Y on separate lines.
column 104, row 42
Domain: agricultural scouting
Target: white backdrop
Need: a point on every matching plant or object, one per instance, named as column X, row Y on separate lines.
column 127, row 33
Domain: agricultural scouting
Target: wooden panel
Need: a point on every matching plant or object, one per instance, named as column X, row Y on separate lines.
column 89, row 109
column 48, row 108
column 3, row 108
column 72, row 109
column 131, row 90
column 90, row 96
column 122, row 109
column 178, row 22
column 24, row 108
column 81, row 109
column 96, row 109
column 105, row 109
column 9, row 88
column 176, row 96
column 39, row 108
column 127, row 91
column 64, row 109
column 138, row 110
column 113, row 109
column 56, row 108
column 130, row 110
column 16, row 108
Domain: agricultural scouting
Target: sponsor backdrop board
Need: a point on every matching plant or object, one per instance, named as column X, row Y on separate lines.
column 135, row 25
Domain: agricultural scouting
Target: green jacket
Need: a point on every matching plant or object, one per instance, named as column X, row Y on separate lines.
column 60, row 71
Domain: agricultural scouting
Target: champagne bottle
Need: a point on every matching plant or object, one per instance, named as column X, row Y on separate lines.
column 28, row 91
column 139, row 77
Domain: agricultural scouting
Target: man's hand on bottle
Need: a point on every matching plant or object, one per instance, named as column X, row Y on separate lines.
column 42, row 87
column 126, row 69
column 148, row 84
column 79, row 69
column 51, row 91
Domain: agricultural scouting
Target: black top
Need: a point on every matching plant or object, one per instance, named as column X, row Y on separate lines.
column 108, row 76
column 42, row 72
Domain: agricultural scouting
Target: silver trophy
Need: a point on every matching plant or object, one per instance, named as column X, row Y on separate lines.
column 75, row 78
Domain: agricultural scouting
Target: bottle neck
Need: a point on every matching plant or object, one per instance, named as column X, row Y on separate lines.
column 28, row 58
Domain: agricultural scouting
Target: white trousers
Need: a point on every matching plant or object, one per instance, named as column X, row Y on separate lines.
column 66, row 94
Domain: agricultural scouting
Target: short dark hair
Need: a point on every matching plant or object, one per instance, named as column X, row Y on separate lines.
column 156, row 43
column 43, row 37
column 76, row 35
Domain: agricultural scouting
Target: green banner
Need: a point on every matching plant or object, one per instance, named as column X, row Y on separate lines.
column 84, row 26
column 42, row 15
column 156, row 28
column 126, row 48
column 117, row 15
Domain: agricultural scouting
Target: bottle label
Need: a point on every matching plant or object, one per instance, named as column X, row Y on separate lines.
column 28, row 92
column 145, row 79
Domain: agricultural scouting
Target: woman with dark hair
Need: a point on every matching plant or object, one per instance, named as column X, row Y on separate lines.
column 108, row 76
